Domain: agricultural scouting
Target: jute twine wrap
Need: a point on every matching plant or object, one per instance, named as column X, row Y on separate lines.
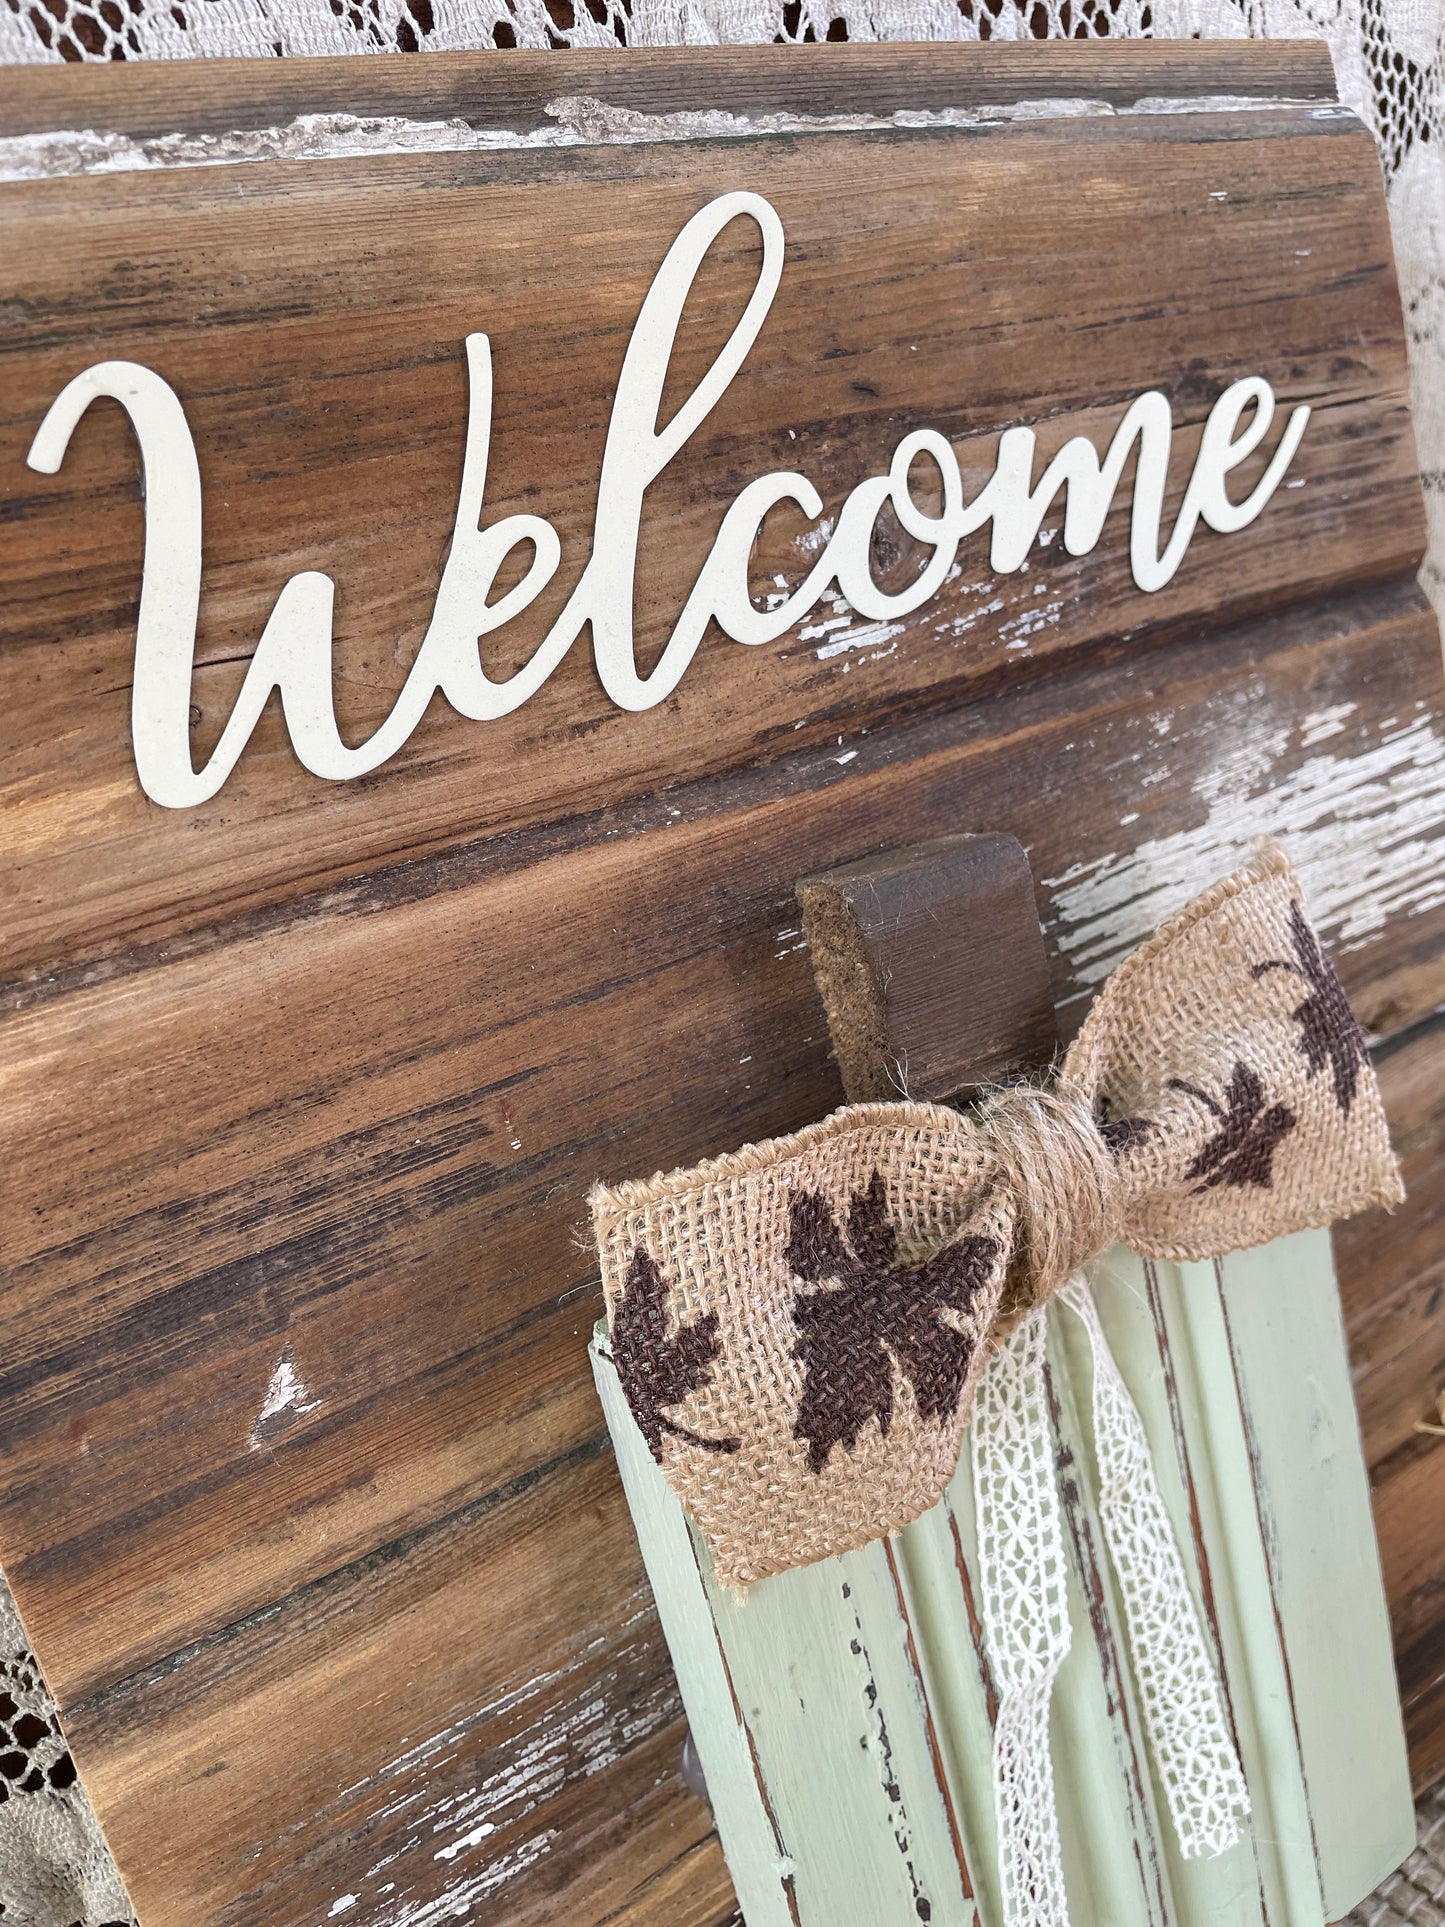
column 799, row 1326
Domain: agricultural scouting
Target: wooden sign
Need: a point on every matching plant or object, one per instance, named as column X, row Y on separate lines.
column 294, row 654
column 1035, row 418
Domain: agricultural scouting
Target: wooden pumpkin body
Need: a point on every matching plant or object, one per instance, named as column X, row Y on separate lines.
column 843, row 1712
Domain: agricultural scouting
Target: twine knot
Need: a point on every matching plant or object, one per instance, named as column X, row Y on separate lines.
column 1066, row 1184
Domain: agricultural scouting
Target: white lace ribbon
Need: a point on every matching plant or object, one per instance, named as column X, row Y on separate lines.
column 1184, row 1713
column 1024, row 1607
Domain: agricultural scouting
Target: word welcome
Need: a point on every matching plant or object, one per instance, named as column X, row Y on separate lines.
column 294, row 655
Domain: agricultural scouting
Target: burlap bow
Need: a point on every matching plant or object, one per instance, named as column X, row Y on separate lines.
column 799, row 1326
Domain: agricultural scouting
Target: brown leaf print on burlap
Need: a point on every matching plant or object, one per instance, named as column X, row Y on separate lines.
column 656, row 1369
column 871, row 1314
column 1329, row 1031
column 1122, row 1134
column 1241, row 1152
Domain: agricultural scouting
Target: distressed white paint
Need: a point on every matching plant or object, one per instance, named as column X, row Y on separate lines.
column 486, row 1828
column 294, row 654
column 1228, row 104
column 1018, row 632
column 578, row 120
column 1364, row 831
column 1320, row 724
column 287, row 1396
column 868, row 635
column 473, row 1839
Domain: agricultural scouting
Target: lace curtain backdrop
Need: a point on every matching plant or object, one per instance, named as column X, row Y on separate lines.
column 1389, row 56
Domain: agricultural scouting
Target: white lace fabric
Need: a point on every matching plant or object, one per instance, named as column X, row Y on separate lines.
column 1023, row 1603
column 1184, row 1711
column 1024, row 1609
column 54, row 1865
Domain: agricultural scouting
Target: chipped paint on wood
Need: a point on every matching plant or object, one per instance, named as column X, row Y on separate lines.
column 579, row 120
column 789, row 1649
column 288, row 1398
column 483, row 1832
column 443, row 1356
column 1363, row 829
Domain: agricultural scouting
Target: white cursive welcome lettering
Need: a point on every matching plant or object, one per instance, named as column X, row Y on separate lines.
column 294, row 655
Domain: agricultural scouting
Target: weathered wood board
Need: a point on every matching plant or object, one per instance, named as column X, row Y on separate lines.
column 331, row 346
column 304, row 1087
column 1394, row 1303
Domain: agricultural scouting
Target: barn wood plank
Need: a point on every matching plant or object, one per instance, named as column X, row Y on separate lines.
column 1394, row 1291
column 1395, row 1316
column 299, row 1149
column 1394, row 1304
column 932, row 968
column 480, row 90
column 1223, row 1486
column 375, row 1727
column 322, row 369
column 1280, row 1304
column 1111, row 1823
column 1280, row 1543
column 1409, row 1500
column 1133, row 1300
column 690, row 1888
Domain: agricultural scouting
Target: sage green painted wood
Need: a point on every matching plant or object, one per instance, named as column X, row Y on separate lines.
column 1256, row 1667
column 843, row 1714
column 842, row 1735
column 757, row 1860
column 1251, row 1419
column 1288, row 1343
column 1243, row 1887
column 1114, row 1868
column 937, row 1560
column 809, row 1719
column 1217, row 1463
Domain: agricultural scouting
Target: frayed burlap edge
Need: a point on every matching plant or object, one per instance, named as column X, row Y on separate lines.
column 638, row 1194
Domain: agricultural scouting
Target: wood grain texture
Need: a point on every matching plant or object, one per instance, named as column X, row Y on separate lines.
column 402, row 1229
column 481, row 91
column 321, row 364
column 932, row 969
column 414, row 1164
column 325, row 1072
column 1394, row 1301
column 1409, row 1501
